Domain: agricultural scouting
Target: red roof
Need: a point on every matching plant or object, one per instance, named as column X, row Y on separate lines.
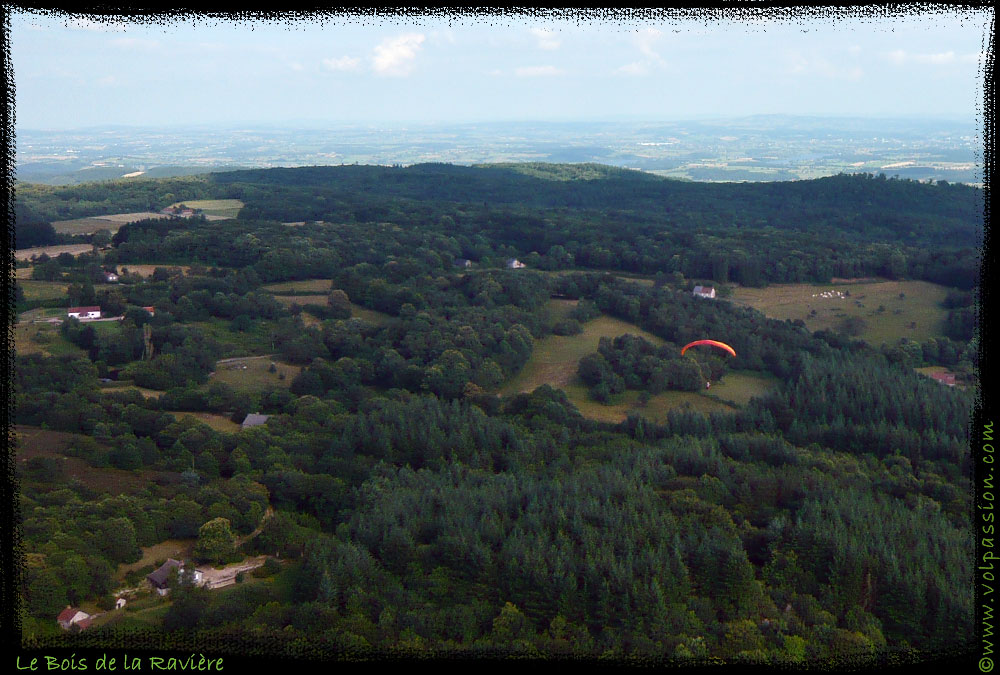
column 947, row 378
column 73, row 310
column 66, row 614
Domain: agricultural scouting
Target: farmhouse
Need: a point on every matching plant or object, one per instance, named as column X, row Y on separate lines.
column 515, row 264
column 70, row 617
column 159, row 578
column 254, row 420
column 149, row 310
column 704, row 291
column 945, row 378
column 84, row 312
column 110, row 277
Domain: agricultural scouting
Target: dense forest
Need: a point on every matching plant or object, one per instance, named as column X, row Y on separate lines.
column 406, row 503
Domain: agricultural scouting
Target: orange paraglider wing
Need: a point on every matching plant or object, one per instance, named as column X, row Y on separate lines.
column 713, row 343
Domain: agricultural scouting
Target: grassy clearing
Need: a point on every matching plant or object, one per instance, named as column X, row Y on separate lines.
column 306, row 287
column 42, row 338
column 254, row 342
column 23, row 272
column 147, row 270
column 51, row 251
column 147, row 393
column 301, row 300
column 43, row 290
column 217, row 422
column 253, row 374
column 656, row 410
column 554, row 359
column 228, row 208
column 558, row 310
column 921, row 307
column 739, row 387
column 35, row 442
column 178, row 549
column 370, row 315
column 109, row 222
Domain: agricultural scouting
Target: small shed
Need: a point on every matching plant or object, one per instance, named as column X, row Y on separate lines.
column 254, row 420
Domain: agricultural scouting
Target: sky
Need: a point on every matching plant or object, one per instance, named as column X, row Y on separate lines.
column 74, row 72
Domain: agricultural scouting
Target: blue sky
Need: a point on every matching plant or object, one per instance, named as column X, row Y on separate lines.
column 73, row 72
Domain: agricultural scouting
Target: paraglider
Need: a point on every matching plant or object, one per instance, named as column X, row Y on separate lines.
column 713, row 343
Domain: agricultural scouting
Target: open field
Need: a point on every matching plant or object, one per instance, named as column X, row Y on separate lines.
column 147, row 393
column 35, row 442
column 655, row 410
column 110, row 222
column 217, row 422
column 147, row 270
column 226, row 208
column 23, row 272
column 559, row 309
column 369, row 315
column 301, row 300
column 252, row 374
column 554, row 359
column 43, row 290
column 740, row 386
column 51, row 251
column 921, row 307
column 254, row 342
column 305, row 287
column 42, row 338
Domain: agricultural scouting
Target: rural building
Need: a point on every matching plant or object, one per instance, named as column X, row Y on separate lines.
column 704, row 291
column 110, row 277
column 150, row 311
column 160, row 577
column 254, row 420
column 515, row 264
column 70, row 617
column 119, row 603
column 84, row 312
column 462, row 262
column 945, row 378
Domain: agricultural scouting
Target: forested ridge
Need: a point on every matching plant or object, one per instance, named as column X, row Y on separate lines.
column 414, row 508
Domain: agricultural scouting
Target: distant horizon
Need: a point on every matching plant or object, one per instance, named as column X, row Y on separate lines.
column 79, row 71
column 303, row 122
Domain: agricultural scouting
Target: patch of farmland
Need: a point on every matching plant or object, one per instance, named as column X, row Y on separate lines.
column 554, row 359
column 42, row 338
column 222, row 208
column 304, row 287
column 109, row 222
column 43, row 290
column 918, row 314
column 370, row 315
column 51, row 251
column 147, row 270
column 301, row 300
column 146, row 393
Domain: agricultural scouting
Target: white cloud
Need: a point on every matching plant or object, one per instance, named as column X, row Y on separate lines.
column 821, row 67
column 546, row 39
column 341, row 64
column 537, row 71
column 81, row 23
column 136, row 43
column 645, row 39
column 636, row 68
column 900, row 57
column 395, row 56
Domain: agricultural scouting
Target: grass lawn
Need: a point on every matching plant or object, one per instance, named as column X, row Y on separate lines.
column 554, row 359
column 43, row 290
column 920, row 306
column 147, row 270
column 110, row 222
column 147, row 393
column 370, row 315
column 254, row 342
column 302, row 300
column 253, row 374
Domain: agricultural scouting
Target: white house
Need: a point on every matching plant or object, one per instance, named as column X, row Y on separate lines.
column 70, row 616
column 110, row 277
column 704, row 291
column 84, row 312
column 515, row 264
